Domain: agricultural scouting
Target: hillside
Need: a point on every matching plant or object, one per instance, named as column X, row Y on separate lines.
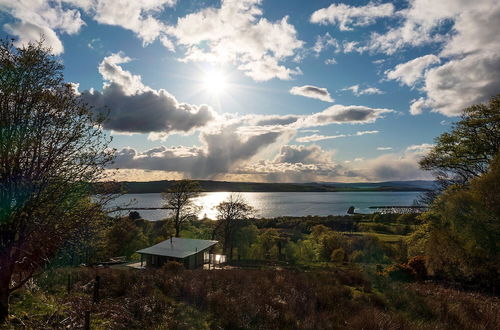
column 214, row 186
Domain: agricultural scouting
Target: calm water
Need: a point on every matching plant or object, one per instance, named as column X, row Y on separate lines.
column 274, row 204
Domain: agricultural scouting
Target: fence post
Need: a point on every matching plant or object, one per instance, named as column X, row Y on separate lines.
column 96, row 288
column 86, row 324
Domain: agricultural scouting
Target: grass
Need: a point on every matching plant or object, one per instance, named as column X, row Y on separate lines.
column 388, row 238
column 325, row 297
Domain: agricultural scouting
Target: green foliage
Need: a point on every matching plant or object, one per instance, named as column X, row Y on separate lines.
column 462, row 231
column 124, row 238
column 337, row 255
column 245, row 237
column 465, row 153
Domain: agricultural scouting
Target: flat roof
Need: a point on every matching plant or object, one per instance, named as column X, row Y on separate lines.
column 177, row 247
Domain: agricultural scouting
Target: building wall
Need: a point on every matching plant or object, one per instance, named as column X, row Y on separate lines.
column 191, row 262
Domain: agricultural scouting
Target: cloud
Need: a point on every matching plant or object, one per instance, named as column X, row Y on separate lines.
column 302, row 154
column 220, row 152
column 317, row 137
column 312, row 163
column 271, row 120
column 324, row 42
column 226, row 155
column 358, row 91
column 342, row 114
column 366, row 132
column 469, row 51
column 134, row 107
column 417, row 106
column 410, row 72
column 237, row 33
column 463, row 82
column 393, row 166
column 312, row 92
column 27, row 32
column 330, row 61
column 384, row 148
column 41, row 18
column 346, row 16
column 136, row 16
column 293, row 164
column 421, row 148
column 48, row 17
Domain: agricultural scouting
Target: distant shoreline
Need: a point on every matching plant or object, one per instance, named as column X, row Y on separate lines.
column 225, row 186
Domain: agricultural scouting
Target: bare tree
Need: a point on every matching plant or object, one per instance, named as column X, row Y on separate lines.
column 179, row 198
column 231, row 213
column 52, row 150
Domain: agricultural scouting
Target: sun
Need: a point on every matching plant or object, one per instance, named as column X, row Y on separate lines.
column 215, row 81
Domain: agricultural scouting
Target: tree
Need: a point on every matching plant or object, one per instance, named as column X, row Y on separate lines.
column 465, row 153
column 461, row 232
column 52, row 149
column 179, row 198
column 231, row 215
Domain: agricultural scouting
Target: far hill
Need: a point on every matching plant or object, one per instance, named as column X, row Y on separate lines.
column 215, row 186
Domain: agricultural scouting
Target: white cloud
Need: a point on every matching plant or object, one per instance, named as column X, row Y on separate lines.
column 312, row 92
column 384, row 148
column 37, row 17
column 462, row 82
column 237, row 33
column 324, row 42
column 469, row 50
column 366, row 132
column 346, row 16
column 330, row 61
column 317, row 137
column 358, row 91
column 393, row 166
column 27, row 32
column 418, row 105
column 41, row 18
column 133, row 15
column 410, row 72
column 420, row 148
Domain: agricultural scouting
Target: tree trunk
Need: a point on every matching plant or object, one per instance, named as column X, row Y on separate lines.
column 177, row 223
column 4, row 302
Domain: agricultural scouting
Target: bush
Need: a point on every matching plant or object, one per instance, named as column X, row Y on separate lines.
column 172, row 266
column 337, row 255
column 418, row 266
column 399, row 272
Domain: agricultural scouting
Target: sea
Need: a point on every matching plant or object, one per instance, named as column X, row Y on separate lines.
column 275, row 204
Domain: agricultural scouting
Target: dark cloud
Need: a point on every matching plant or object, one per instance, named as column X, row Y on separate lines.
column 276, row 120
column 339, row 114
column 312, row 92
column 136, row 108
column 146, row 111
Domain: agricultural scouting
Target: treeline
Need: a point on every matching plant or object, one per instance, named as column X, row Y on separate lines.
column 215, row 186
column 294, row 241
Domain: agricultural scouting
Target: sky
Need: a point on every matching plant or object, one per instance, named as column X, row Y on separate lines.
column 270, row 90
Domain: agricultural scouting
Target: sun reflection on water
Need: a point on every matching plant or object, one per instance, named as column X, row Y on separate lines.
column 208, row 202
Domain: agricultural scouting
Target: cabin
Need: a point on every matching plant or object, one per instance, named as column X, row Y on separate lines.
column 192, row 253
